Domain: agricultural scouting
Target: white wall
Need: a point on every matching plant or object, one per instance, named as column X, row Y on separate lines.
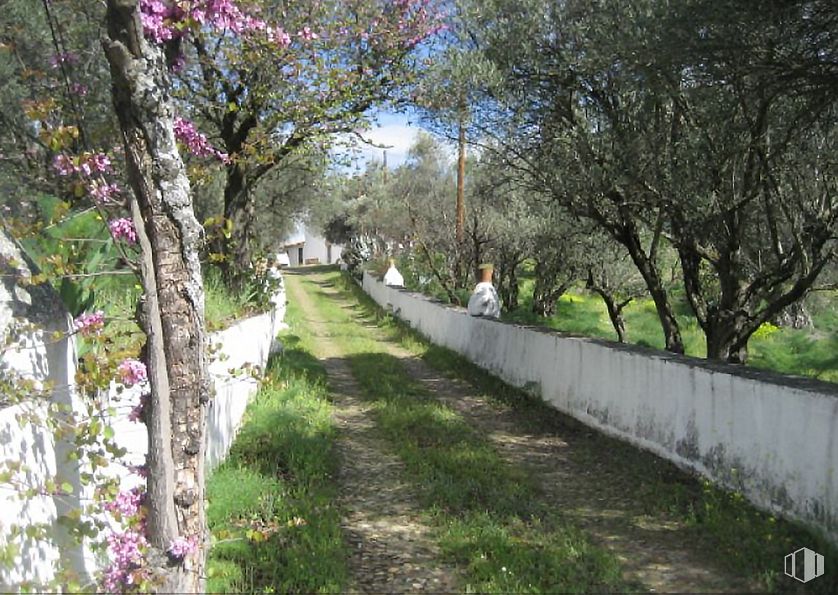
column 773, row 437
column 24, row 438
column 249, row 341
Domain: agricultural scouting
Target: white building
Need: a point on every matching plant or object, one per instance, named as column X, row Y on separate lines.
column 305, row 246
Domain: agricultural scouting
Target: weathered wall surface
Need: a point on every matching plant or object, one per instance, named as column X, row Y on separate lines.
column 247, row 343
column 774, row 438
column 31, row 314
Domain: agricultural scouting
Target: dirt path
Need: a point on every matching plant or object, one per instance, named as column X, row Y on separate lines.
column 595, row 495
column 594, row 492
column 391, row 547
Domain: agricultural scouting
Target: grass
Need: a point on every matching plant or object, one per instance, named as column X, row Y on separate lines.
column 223, row 306
column 804, row 352
column 488, row 516
column 271, row 513
column 742, row 538
column 118, row 297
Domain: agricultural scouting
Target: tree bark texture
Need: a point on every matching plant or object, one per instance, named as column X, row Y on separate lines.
column 626, row 234
column 173, row 316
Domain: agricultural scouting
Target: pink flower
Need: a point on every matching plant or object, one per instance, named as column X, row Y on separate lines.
column 102, row 192
column 123, row 229
column 99, row 162
column 307, row 34
column 278, row 36
column 182, row 547
column 164, row 21
column 79, row 89
column 127, row 555
column 131, row 372
column 197, row 143
column 88, row 324
column 127, row 504
column 63, row 165
column 85, row 164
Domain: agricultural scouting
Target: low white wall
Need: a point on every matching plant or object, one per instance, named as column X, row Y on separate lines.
column 773, row 437
column 247, row 342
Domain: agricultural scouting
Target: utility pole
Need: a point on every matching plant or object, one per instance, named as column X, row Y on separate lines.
column 461, row 175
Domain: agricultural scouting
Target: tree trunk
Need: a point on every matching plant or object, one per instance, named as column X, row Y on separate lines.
column 724, row 338
column 173, row 316
column 648, row 270
column 546, row 293
column 239, row 211
column 508, row 287
column 615, row 309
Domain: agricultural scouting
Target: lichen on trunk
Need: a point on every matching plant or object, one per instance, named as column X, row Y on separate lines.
column 173, row 311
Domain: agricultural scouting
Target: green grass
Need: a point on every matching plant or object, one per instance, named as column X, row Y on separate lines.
column 223, row 306
column 271, row 503
column 805, row 352
column 117, row 297
column 488, row 516
column 748, row 541
column 742, row 538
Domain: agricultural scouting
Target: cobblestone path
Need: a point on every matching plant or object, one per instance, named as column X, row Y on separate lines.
column 393, row 550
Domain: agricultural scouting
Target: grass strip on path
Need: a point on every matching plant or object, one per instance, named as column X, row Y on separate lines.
column 271, row 513
column 741, row 537
column 488, row 515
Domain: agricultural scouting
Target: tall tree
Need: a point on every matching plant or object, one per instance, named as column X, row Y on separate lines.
column 294, row 85
column 173, row 304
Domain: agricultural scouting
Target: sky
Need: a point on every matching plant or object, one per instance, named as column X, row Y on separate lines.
column 395, row 131
column 398, row 132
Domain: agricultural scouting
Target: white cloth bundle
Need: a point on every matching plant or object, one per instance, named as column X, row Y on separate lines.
column 393, row 278
column 484, row 301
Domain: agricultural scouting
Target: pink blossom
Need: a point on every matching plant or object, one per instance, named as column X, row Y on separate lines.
column 123, row 229
column 158, row 19
column 307, row 34
column 127, row 554
column 278, row 36
column 88, row 324
column 182, row 547
column 99, row 162
column 196, row 142
column 79, row 89
column 103, row 192
column 131, row 372
column 85, row 164
column 127, row 503
column 164, row 21
column 63, row 165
